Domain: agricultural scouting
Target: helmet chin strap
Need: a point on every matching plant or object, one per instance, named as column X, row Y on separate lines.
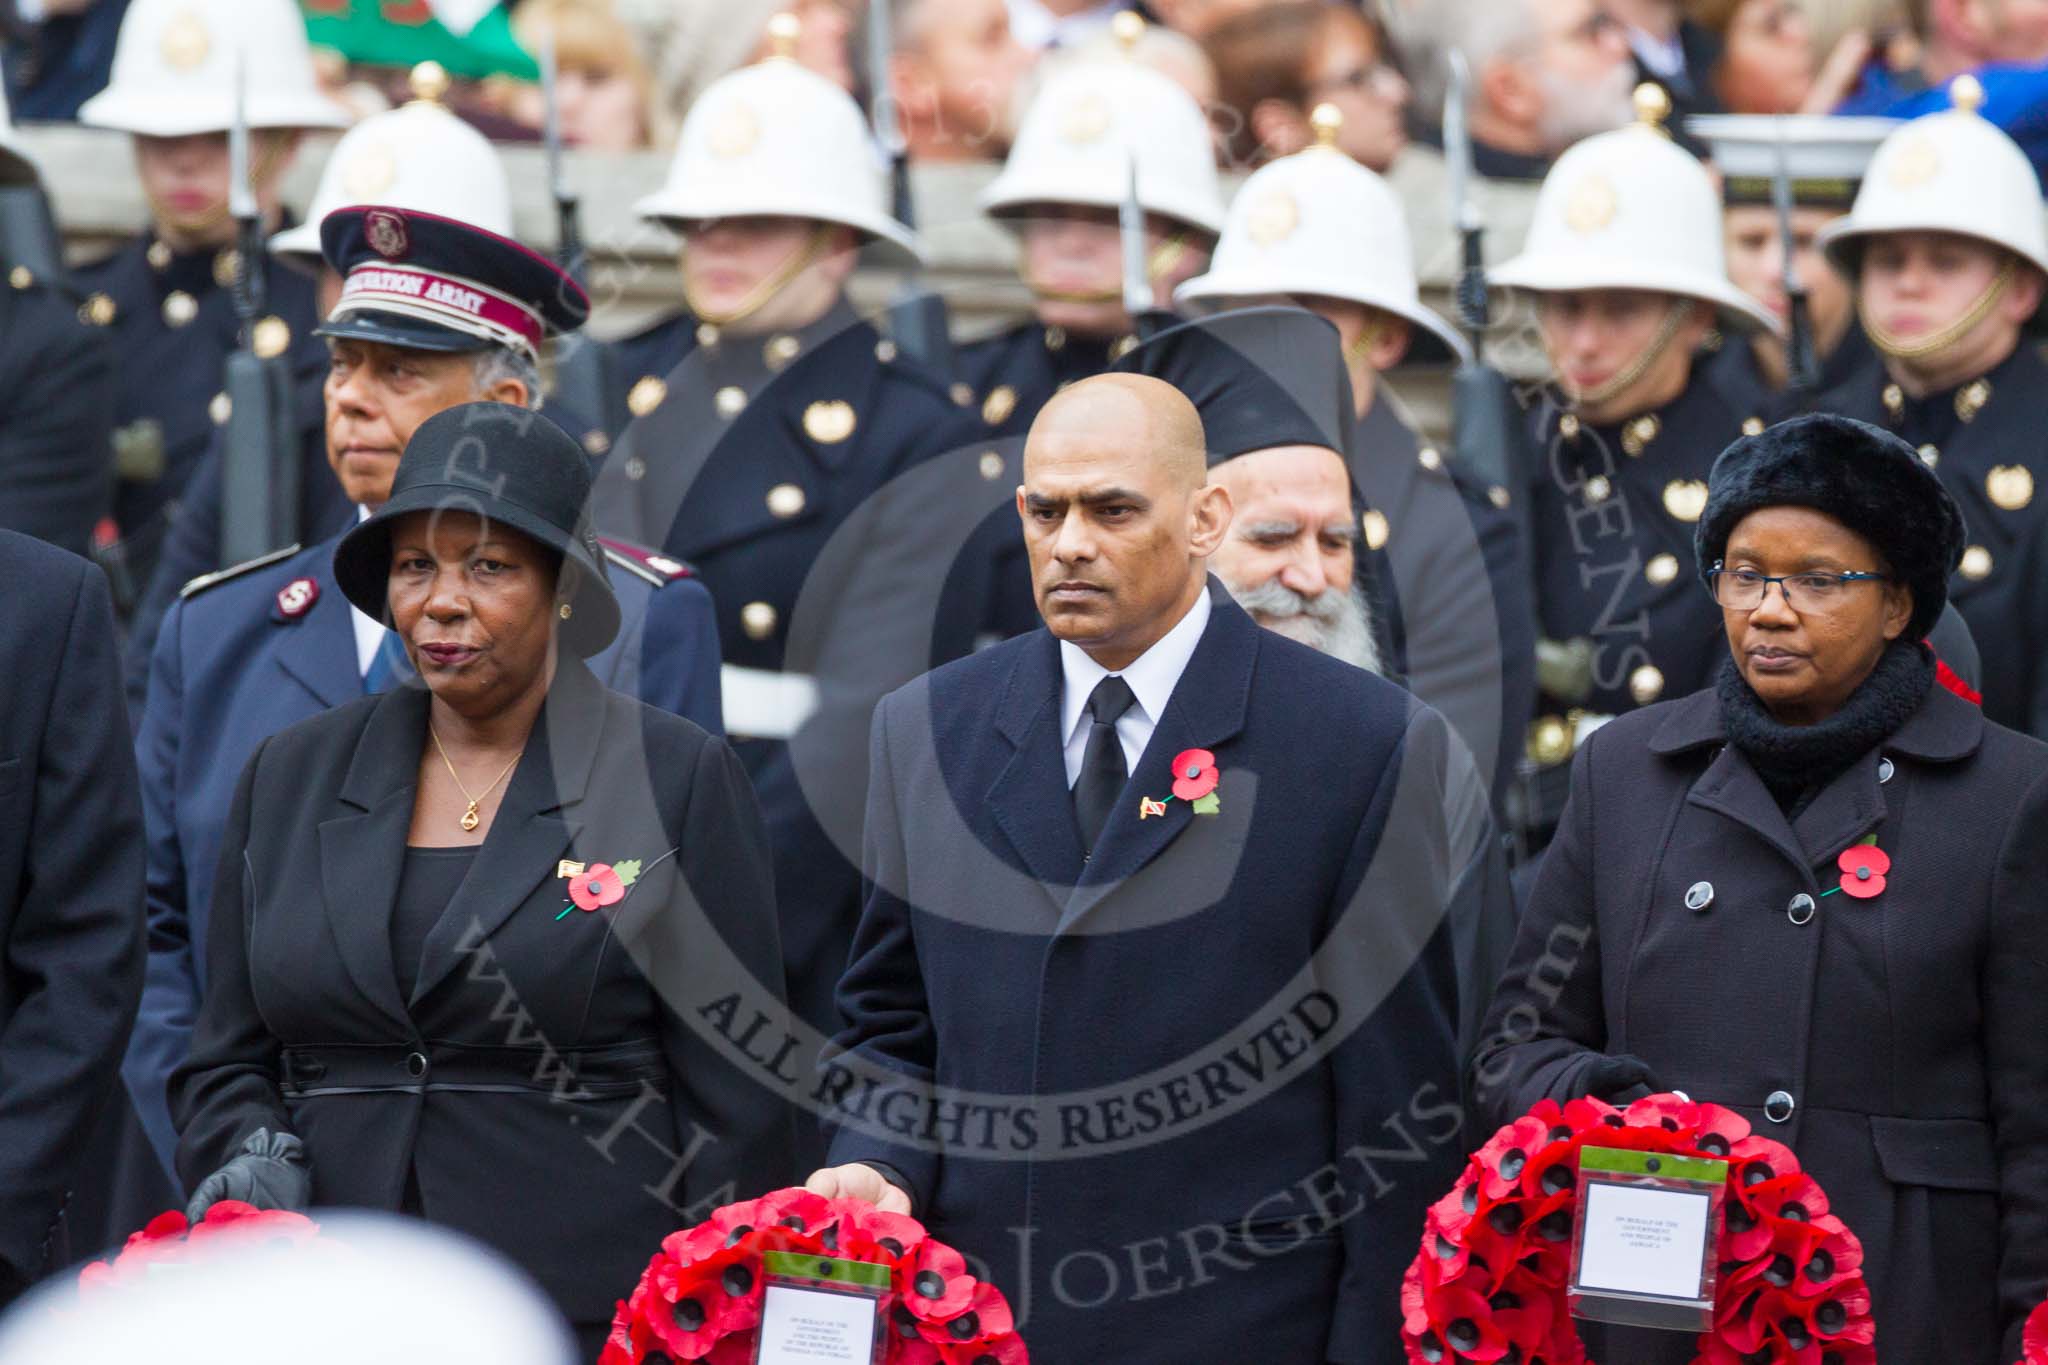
column 1898, row 348
column 1640, row 366
column 1163, row 258
column 756, row 298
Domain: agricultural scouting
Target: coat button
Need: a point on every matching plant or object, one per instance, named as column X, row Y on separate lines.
column 415, row 1064
column 1885, row 770
column 1778, row 1107
column 729, row 401
column 1801, row 908
column 1699, row 895
column 758, row 620
column 785, row 500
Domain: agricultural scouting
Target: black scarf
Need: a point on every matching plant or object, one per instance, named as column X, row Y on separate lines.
column 1796, row 761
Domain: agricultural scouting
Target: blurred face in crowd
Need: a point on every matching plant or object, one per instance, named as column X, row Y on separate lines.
column 1291, row 551
column 1767, row 59
column 1119, row 517
column 1756, row 264
column 185, row 180
column 474, row 603
column 1582, row 74
column 1596, row 338
column 1197, row 17
column 955, row 76
column 2008, row 30
column 378, row 396
column 1914, row 284
column 1073, row 261
column 765, row 274
column 1349, row 71
column 821, row 40
column 1804, row 664
column 601, row 109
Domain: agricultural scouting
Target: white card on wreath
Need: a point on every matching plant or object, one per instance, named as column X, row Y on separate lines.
column 1641, row 1240
column 802, row 1326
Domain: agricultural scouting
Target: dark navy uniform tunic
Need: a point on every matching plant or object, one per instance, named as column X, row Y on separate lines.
column 170, row 317
column 56, row 394
column 748, row 455
column 1612, row 511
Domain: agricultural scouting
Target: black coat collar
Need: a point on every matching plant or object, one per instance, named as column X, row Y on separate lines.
column 1945, row 729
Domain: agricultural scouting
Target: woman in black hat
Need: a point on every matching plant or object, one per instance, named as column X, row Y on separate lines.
column 478, row 945
column 1814, row 893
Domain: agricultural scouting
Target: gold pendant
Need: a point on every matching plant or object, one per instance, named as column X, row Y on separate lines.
column 470, row 819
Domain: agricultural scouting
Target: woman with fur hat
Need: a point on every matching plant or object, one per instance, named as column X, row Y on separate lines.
column 1811, row 893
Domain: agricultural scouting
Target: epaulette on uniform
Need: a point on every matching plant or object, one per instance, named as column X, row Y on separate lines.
column 220, row 576
column 650, row 566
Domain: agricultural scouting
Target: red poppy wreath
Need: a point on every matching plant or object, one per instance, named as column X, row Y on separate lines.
column 700, row 1297
column 1490, row 1281
column 168, row 1239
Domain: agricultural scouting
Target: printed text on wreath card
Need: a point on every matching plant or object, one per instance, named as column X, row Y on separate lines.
column 1641, row 1240
column 807, row 1327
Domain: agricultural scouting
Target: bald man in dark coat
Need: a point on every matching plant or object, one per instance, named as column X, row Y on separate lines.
column 1150, row 1006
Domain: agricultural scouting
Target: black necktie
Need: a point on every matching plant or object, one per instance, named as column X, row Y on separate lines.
column 1102, row 764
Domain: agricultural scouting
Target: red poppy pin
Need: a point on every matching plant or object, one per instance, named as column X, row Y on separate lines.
column 1194, row 781
column 1863, row 867
column 598, row 885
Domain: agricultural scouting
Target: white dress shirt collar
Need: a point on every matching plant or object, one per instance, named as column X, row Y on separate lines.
column 1152, row 676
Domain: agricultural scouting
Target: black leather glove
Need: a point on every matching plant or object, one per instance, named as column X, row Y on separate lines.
column 271, row 1173
column 1620, row 1079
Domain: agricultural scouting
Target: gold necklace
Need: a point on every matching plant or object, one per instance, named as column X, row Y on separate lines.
column 470, row 818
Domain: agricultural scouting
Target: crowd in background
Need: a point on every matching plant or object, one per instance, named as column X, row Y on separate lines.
column 1546, row 72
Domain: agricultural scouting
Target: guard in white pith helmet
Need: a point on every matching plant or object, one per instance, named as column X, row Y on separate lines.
column 417, row 156
column 1067, row 175
column 165, row 298
column 1625, row 267
column 1947, row 251
column 1822, row 160
column 1095, row 117
column 762, row 417
column 1322, row 231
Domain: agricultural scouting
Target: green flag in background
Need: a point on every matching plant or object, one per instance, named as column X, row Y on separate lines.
column 470, row 38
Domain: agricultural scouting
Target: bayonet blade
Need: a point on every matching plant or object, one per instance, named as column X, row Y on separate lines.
column 1781, row 200
column 888, row 129
column 1458, row 145
column 552, row 116
column 241, row 190
column 1131, row 224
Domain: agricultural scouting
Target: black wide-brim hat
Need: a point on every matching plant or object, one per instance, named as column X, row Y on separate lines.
column 514, row 468
column 1259, row 377
column 1861, row 475
column 429, row 283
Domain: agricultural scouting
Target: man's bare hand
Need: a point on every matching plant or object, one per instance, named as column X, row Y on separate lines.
column 857, row 1181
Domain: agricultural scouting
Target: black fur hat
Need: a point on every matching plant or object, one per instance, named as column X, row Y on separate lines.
column 1862, row 476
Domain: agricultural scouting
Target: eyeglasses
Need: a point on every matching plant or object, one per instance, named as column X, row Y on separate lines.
column 1806, row 593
